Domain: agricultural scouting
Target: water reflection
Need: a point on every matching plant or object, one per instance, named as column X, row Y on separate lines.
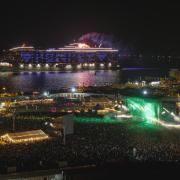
column 29, row 81
column 40, row 81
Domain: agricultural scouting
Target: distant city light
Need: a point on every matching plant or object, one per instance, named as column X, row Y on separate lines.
column 47, row 65
column 21, row 65
column 136, row 83
column 155, row 83
column 109, row 64
column 38, row 65
column 30, row 65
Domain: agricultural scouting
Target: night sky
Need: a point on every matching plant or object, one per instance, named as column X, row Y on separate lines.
column 57, row 23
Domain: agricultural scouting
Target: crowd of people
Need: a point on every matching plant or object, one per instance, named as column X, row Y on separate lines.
column 93, row 143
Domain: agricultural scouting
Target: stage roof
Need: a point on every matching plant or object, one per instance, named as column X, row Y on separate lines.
column 24, row 136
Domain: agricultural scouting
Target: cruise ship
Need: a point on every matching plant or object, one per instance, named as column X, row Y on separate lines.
column 72, row 56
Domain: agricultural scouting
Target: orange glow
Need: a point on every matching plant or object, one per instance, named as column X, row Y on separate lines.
column 83, row 45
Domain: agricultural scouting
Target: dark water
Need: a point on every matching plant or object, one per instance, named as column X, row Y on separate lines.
column 30, row 81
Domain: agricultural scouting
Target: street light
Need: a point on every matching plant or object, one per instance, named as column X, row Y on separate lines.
column 145, row 92
column 45, row 93
column 73, row 90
